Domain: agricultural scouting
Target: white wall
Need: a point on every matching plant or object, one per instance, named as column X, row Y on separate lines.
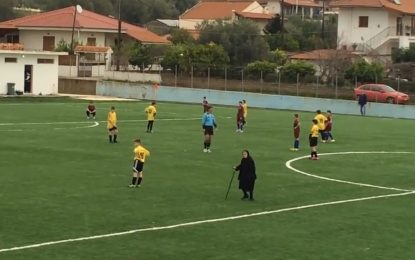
column 45, row 76
column 273, row 7
column 348, row 25
column 33, row 40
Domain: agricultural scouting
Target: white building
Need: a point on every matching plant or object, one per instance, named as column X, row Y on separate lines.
column 304, row 8
column 30, row 72
column 375, row 25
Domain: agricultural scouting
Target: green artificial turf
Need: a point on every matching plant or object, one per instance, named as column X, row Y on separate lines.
column 60, row 180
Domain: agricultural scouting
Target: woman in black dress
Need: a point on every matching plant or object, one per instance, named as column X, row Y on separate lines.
column 247, row 175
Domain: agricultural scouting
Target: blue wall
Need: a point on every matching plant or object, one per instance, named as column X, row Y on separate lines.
column 189, row 95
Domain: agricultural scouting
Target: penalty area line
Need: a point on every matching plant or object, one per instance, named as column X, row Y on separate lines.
column 289, row 166
column 215, row 220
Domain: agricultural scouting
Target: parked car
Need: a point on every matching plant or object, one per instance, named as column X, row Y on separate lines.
column 381, row 93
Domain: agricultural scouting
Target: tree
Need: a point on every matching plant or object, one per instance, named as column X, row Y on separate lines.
column 301, row 68
column 274, row 25
column 181, row 36
column 140, row 55
column 6, row 10
column 241, row 40
column 261, row 66
column 403, row 55
column 363, row 71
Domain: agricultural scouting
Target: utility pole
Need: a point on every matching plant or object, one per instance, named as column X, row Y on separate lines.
column 322, row 20
column 282, row 18
column 119, row 36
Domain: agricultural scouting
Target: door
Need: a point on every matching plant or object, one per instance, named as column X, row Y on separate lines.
column 399, row 26
column 28, row 78
column 48, row 43
column 91, row 42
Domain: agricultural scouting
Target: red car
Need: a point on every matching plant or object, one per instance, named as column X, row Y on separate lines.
column 381, row 93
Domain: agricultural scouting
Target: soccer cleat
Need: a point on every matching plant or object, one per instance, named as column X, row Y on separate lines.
column 244, row 198
column 131, row 186
column 93, row 117
column 294, row 149
column 209, row 151
column 315, row 158
column 323, row 141
column 332, row 140
column 205, row 150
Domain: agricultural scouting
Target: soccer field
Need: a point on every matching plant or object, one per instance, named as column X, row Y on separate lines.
column 64, row 194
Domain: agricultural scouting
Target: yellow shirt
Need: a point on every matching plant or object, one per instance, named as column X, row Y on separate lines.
column 321, row 119
column 111, row 119
column 314, row 131
column 140, row 153
column 245, row 106
column 151, row 112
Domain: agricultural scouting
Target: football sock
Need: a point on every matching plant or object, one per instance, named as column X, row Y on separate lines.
column 208, row 145
column 205, row 145
column 110, row 137
column 296, row 144
column 134, row 180
column 312, row 154
column 115, row 138
column 139, row 180
column 251, row 194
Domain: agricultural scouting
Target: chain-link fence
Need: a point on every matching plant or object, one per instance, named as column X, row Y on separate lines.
column 276, row 82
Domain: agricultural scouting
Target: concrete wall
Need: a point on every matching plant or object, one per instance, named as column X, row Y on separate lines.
column 14, row 73
column 132, row 76
column 77, row 86
column 187, row 95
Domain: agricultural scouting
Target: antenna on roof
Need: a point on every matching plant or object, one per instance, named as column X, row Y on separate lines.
column 79, row 9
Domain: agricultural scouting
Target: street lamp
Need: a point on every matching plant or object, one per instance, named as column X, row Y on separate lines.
column 78, row 9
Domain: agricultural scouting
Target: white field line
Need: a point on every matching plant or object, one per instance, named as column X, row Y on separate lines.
column 288, row 165
column 86, row 122
column 215, row 220
column 78, row 127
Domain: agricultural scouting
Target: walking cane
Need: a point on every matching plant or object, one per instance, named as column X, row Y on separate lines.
column 230, row 184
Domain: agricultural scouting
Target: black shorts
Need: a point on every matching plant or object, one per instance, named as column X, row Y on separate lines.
column 138, row 166
column 112, row 128
column 208, row 130
column 313, row 141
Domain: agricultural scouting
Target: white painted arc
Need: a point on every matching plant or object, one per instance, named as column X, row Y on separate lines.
column 203, row 222
column 289, row 166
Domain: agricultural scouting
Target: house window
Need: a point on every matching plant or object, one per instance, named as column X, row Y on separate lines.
column 10, row 60
column 363, row 21
column 48, row 43
column 45, row 61
column 91, row 42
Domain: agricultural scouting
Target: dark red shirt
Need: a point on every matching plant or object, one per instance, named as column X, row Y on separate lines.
column 296, row 127
column 240, row 113
column 205, row 105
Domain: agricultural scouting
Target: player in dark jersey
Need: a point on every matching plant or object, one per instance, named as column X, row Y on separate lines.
column 205, row 105
column 329, row 127
column 296, row 130
column 91, row 111
column 240, row 118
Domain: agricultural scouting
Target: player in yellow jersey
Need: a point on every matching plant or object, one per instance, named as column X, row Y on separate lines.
column 151, row 112
column 140, row 155
column 112, row 125
column 321, row 123
column 313, row 138
column 245, row 106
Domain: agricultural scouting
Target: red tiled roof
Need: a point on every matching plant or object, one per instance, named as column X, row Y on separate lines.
column 63, row 18
column 323, row 54
column 11, row 46
column 309, row 3
column 214, row 10
column 405, row 6
column 260, row 16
